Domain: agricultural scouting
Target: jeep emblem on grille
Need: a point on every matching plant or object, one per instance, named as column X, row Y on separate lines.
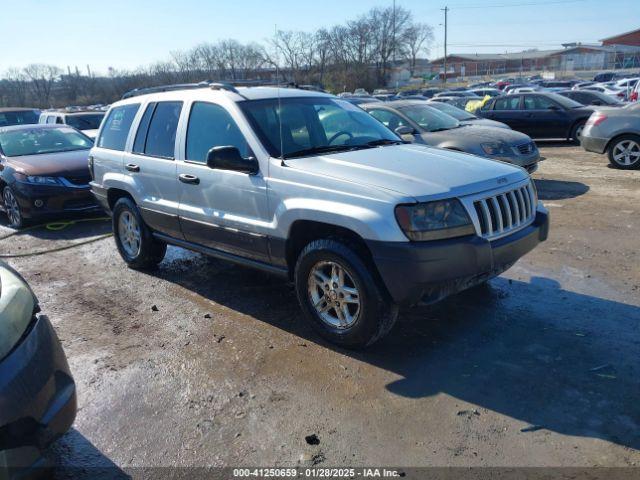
column 502, row 180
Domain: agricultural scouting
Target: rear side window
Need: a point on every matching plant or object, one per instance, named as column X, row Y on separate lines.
column 211, row 126
column 538, row 103
column 507, row 103
column 116, row 127
column 141, row 135
column 161, row 135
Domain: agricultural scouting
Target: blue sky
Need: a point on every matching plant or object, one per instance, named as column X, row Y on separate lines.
column 125, row 34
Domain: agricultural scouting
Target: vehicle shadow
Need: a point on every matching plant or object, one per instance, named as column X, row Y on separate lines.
column 555, row 359
column 559, row 190
column 74, row 457
column 73, row 228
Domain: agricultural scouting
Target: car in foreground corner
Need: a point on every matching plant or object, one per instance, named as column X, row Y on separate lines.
column 616, row 132
column 37, row 390
column 418, row 122
column 45, row 172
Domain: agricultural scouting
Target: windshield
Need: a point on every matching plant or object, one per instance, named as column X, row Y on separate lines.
column 19, row 117
column 455, row 112
column 86, row 121
column 15, row 143
column 429, row 118
column 313, row 125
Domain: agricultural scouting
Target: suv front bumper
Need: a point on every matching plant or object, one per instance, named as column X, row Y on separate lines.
column 426, row 272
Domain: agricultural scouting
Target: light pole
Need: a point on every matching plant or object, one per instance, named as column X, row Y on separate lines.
column 445, row 10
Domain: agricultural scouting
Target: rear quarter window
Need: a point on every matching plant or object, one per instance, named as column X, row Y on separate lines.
column 116, row 127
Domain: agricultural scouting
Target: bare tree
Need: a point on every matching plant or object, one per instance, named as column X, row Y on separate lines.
column 416, row 40
column 41, row 79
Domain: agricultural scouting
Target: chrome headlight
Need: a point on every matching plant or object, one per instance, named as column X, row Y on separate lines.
column 495, row 148
column 434, row 220
column 38, row 180
column 17, row 306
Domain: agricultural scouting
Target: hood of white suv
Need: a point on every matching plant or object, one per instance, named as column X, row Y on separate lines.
column 414, row 170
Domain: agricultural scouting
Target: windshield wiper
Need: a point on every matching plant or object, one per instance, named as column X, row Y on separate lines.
column 320, row 149
column 383, row 141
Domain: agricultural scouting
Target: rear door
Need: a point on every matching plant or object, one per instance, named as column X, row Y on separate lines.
column 221, row 209
column 151, row 166
column 506, row 109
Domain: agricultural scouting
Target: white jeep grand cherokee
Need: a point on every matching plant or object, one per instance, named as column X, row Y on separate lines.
column 307, row 186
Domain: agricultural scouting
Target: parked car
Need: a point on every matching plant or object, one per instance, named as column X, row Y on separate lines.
column 483, row 92
column 466, row 118
column 360, row 100
column 418, row 122
column 386, row 97
column 604, row 77
column 539, row 115
column 610, row 90
column 360, row 92
column 615, row 131
column 37, row 391
column 18, row 116
column 580, row 85
column 44, row 172
column 459, row 102
column 87, row 122
column 522, row 90
column 429, row 92
column 312, row 188
column 588, row 97
column 633, row 96
column 455, row 93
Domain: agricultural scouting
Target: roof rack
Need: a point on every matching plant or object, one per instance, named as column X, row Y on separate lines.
column 180, row 86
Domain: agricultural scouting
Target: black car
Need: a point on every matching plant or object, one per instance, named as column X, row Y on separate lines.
column 604, row 77
column 539, row 115
column 590, row 97
column 37, row 391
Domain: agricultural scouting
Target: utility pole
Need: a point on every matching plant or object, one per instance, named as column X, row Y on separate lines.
column 445, row 10
column 394, row 43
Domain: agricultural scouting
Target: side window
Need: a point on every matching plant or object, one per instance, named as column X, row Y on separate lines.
column 51, row 119
column 116, row 127
column 59, row 121
column 388, row 119
column 161, row 137
column 508, row 103
column 141, row 135
column 534, row 102
column 211, row 126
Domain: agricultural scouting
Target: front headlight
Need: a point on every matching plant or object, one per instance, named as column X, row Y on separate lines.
column 495, row 148
column 17, row 306
column 434, row 220
column 38, row 180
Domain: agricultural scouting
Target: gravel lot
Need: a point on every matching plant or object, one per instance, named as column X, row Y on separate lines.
column 206, row 363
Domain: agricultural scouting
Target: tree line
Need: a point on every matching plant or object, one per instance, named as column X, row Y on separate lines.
column 358, row 53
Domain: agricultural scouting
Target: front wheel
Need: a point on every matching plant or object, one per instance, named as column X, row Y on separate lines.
column 624, row 152
column 133, row 238
column 12, row 208
column 340, row 297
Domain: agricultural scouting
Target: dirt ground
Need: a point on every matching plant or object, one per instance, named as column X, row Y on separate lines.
column 206, row 363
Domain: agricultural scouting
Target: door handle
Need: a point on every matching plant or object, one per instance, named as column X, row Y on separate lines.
column 132, row 167
column 190, row 179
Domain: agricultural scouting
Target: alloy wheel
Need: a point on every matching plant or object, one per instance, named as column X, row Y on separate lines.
column 334, row 294
column 11, row 207
column 129, row 234
column 626, row 152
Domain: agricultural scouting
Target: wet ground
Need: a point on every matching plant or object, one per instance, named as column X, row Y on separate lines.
column 205, row 363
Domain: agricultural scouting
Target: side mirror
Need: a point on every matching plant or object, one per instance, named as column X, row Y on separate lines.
column 229, row 158
column 554, row 108
column 404, row 130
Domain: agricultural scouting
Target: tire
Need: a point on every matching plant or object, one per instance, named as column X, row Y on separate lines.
column 12, row 208
column 128, row 225
column 616, row 148
column 576, row 132
column 372, row 317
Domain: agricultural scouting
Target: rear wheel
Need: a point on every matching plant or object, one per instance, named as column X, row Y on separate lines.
column 576, row 132
column 624, row 152
column 340, row 297
column 12, row 208
column 133, row 238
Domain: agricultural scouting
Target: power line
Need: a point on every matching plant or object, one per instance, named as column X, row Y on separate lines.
column 523, row 4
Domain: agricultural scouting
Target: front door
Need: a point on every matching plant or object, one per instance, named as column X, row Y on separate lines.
column 221, row 209
column 544, row 117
